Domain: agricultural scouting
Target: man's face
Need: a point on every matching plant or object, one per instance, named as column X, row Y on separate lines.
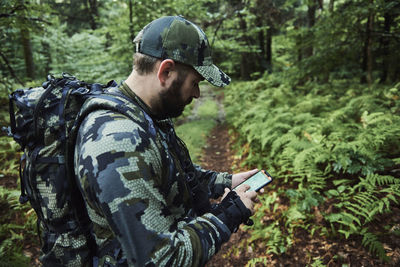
column 181, row 93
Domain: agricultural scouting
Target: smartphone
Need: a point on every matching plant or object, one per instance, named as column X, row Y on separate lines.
column 257, row 181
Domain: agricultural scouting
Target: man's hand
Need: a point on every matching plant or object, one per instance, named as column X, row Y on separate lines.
column 242, row 176
column 249, row 198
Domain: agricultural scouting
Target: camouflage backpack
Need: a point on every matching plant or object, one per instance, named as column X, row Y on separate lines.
column 41, row 125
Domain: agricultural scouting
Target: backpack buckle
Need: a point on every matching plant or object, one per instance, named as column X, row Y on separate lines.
column 7, row 130
column 23, row 199
column 66, row 75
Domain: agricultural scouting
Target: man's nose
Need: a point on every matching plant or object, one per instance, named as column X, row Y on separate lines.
column 196, row 92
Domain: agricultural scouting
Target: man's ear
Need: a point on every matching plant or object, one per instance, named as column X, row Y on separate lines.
column 164, row 73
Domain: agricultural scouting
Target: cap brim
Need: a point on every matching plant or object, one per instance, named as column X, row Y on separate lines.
column 213, row 75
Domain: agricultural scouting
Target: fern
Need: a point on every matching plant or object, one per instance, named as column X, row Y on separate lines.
column 317, row 263
column 13, row 234
column 341, row 147
column 374, row 245
column 253, row 262
column 380, row 180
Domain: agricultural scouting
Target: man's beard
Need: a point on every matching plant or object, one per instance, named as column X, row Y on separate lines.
column 172, row 103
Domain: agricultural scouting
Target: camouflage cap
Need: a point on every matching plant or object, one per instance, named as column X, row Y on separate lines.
column 179, row 39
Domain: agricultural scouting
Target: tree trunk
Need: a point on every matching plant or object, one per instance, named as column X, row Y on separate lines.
column 369, row 49
column 367, row 55
column 261, row 41
column 312, row 7
column 331, row 5
column 299, row 41
column 264, row 55
column 385, row 42
column 28, row 55
column 47, row 55
column 131, row 31
column 321, row 4
column 268, row 49
column 261, row 56
column 93, row 13
column 244, row 57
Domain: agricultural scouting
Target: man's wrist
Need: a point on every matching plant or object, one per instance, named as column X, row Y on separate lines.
column 232, row 211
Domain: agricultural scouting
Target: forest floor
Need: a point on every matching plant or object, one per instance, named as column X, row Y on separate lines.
column 306, row 250
column 219, row 156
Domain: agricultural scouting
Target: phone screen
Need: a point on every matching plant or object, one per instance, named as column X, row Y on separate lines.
column 257, row 181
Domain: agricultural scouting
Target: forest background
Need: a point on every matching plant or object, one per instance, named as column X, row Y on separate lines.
column 314, row 98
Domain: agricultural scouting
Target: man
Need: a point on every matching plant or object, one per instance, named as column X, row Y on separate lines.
column 148, row 202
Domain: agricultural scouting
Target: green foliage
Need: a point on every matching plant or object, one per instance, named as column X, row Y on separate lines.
column 335, row 45
column 374, row 245
column 208, row 110
column 264, row 229
column 328, row 44
column 9, row 163
column 194, row 132
column 69, row 56
column 186, row 112
column 304, row 199
column 317, row 263
column 254, row 261
column 17, row 225
column 339, row 146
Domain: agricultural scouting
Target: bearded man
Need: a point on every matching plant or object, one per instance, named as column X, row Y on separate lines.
column 149, row 204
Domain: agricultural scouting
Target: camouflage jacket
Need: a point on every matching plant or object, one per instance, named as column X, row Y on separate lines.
column 136, row 193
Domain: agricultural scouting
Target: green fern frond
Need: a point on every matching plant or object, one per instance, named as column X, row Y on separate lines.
column 377, row 179
column 373, row 244
column 376, row 118
column 357, row 210
column 281, row 141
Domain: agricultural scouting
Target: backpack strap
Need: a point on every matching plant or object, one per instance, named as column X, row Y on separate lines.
column 198, row 193
column 23, row 198
column 114, row 101
column 12, row 127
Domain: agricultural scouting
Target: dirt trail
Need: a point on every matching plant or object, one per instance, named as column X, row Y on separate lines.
column 218, row 156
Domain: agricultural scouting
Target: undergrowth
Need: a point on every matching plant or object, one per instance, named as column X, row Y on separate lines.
column 17, row 226
column 336, row 146
column 194, row 131
column 17, row 222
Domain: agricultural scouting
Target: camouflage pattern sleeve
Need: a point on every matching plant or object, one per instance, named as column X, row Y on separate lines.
column 127, row 179
column 215, row 181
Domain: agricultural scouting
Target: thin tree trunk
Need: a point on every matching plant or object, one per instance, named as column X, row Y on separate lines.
column 47, row 55
column 216, row 31
column 321, row 4
column 261, row 56
column 366, row 64
column 131, row 31
column 263, row 64
column 312, row 7
column 28, row 55
column 268, row 49
column 385, row 41
column 331, row 5
column 244, row 57
column 93, row 13
column 299, row 42
column 261, row 41
column 369, row 47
